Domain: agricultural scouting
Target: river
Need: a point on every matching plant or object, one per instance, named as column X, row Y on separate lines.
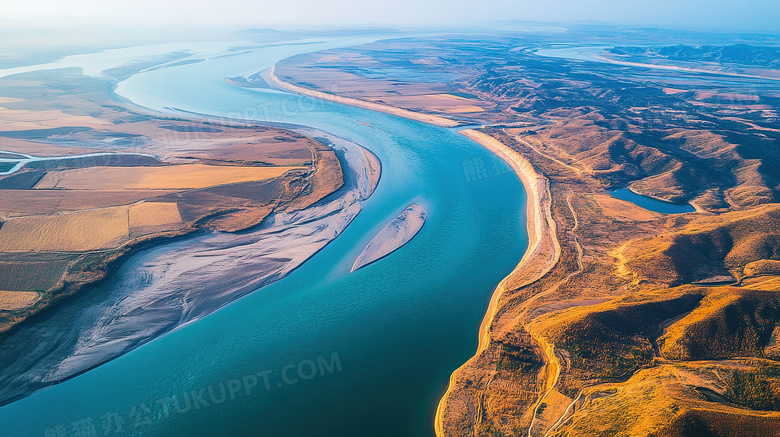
column 322, row 352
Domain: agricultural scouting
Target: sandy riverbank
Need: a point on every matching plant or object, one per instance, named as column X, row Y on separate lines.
column 541, row 226
column 541, row 255
column 271, row 78
column 540, row 222
column 680, row 68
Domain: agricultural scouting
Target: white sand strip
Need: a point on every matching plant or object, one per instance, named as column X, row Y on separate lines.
column 392, row 237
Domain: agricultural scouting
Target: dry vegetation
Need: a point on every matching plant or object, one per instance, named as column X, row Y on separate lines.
column 729, row 322
column 615, row 338
column 326, row 179
column 626, row 311
column 32, row 272
column 707, row 247
column 672, row 400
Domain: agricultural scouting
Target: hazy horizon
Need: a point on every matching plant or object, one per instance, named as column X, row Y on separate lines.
column 755, row 15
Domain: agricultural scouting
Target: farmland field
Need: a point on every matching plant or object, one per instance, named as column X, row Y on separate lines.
column 16, row 300
column 157, row 178
column 154, row 214
column 36, row 202
column 21, row 273
column 66, row 220
column 78, row 231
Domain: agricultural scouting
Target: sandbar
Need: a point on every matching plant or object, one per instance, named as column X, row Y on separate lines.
column 393, row 236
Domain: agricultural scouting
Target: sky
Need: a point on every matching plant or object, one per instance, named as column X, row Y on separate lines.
column 758, row 15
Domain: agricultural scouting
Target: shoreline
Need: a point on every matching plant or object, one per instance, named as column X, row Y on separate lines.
column 679, row 68
column 541, row 229
column 540, row 224
column 660, row 199
column 68, row 289
column 272, row 79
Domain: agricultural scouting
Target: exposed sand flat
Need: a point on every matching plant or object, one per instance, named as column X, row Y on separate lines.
column 716, row 280
column 543, row 250
column 271, row 78
column 392, row 237
column 542, row 241
column 172, row 177
column 541, row 226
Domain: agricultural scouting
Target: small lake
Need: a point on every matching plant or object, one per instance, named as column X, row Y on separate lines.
column 651, row 204
column 577, row 53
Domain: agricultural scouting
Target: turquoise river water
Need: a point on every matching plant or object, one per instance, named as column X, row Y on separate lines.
column 322, row 352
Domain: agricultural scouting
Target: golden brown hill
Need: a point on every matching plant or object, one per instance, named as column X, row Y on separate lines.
column 693, row 399
column 615, row 338
column 762, row 267
column 707, row 248
column 700, row 142
column 706, row 423
column 729, row 322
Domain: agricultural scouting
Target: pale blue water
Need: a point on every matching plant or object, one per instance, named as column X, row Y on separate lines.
column 650, row 203
column 399, row 327
column 583, row 53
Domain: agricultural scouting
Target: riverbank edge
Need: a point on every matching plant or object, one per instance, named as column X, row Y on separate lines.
column 542, row 231
column 697, row 208
column 66, row 288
